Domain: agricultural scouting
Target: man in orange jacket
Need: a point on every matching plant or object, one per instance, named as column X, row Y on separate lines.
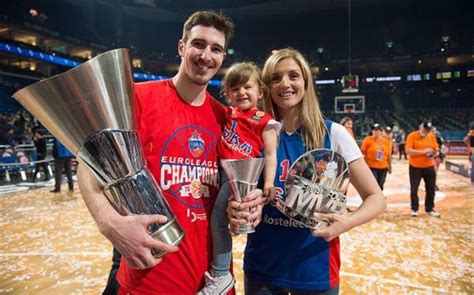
column 422, row 148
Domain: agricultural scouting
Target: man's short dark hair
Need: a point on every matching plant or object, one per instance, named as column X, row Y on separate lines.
column 376, row 126
column 209, row 18
column 37, row 129
column 427, row 125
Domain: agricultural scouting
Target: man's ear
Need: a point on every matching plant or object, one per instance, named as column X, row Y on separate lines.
column 181, row 45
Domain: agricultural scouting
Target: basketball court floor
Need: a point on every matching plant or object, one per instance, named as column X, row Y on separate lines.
column 50, row 245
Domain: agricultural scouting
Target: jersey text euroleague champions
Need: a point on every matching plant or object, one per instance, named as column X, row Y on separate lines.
column 189, row 177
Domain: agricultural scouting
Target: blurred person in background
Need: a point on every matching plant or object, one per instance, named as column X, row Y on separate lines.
column 62, row 162
column 377, row 154
column 388, row 134
column 19, row 123
column 440, row 157
column 349, row 125
column 41, row 152
column 421, row 148
column 400, row 140
column 469, row 140
column 8, row 137
column 28, row 136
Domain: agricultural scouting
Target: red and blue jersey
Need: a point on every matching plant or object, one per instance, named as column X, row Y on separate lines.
column 242, row 134
column 282, row 252
column 179, row 142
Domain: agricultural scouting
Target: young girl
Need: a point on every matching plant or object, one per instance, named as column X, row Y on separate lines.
column 248, row 133
column 281, row 257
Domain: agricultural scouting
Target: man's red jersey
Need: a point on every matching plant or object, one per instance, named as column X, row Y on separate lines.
column 179, row 142
column 242, row 134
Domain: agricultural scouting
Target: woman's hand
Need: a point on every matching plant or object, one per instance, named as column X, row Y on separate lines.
column 247, row 211
column 338, row 224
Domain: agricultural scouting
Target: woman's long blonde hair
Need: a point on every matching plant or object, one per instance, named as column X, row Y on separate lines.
column 308, row 113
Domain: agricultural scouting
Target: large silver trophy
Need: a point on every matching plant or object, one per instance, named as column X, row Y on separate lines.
column 90, row 110
column 316, row 183
column 243, row 177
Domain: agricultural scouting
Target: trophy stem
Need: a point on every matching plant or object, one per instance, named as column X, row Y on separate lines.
column 243, row 177
column 170, row 233
column 245, row 229
column 140, row 194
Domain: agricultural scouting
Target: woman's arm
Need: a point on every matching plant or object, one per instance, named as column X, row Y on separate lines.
column 373, row 203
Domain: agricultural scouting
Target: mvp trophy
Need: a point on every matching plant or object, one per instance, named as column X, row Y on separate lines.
column 316, row 183
column 90, row 110
column 243, row 177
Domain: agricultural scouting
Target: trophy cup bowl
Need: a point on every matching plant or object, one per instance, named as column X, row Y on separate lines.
column 90, row 110
column 316, row 183
column 243, row 177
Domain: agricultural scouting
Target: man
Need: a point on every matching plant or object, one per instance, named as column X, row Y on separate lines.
column 387, row 133
column 421, row 148
column 62, row 162
column 440, row 157
column 7, row 137
column 179, row 124
column 469, row 141
column 400, row 140
column 41, row 152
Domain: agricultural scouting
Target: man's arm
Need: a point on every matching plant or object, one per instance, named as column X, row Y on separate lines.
column 127, row 233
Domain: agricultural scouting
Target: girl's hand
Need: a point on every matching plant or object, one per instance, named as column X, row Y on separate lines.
column 269, row 194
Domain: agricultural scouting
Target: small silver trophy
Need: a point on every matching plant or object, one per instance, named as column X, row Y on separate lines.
column 316, row 183
column 243, row 177
column 90, row 110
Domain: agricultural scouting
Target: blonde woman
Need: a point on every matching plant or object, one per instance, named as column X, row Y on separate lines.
column 281, row 257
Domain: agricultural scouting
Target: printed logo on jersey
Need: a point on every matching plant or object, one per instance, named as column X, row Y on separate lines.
column 257, row 116
column 189, row 169
column 233, row 140
column 196, row 144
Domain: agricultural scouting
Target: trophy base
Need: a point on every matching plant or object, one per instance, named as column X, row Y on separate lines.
column 170, row 233
column 245, row 229
column 310, row 222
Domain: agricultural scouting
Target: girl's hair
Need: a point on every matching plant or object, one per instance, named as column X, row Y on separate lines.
column 239, row 74
column 308, row 113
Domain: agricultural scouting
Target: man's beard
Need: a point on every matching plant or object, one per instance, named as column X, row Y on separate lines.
column 200, row 82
